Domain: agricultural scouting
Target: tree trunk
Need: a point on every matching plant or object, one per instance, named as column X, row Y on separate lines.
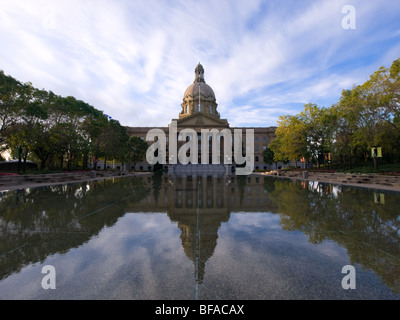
column 376, row 163
column 61, row 162
column 19, row 159
column 25, row 157
column 69, row 166
column 350, row 164
column 85, row 162
column 43, row 163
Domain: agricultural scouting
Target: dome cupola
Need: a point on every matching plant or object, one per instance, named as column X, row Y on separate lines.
column 199, row 96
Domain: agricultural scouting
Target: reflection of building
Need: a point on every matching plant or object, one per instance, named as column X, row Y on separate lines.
column 199, row 110
column 199, row 204
column 214, row 194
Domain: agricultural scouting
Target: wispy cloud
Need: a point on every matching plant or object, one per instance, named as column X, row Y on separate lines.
column 134, row 59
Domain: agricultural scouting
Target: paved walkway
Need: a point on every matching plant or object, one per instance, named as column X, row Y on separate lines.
column 372, row 181
column 15, row 182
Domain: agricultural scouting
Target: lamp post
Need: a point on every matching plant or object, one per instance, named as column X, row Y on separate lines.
column 376, row 153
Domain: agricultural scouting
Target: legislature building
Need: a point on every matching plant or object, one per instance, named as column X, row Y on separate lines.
column 199, row 110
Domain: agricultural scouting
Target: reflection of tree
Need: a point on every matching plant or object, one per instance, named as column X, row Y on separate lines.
column 269, row 184
column 301, row 209
column 157, row 183
column 36, row 223
column 370, row 232
column 31, row 229
column 241, row 182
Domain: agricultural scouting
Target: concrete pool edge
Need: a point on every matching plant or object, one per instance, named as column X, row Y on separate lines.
column 12, row 183
column 369, row 181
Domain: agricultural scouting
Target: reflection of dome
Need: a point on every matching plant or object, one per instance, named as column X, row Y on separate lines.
column 199, row 247
column 199, row 224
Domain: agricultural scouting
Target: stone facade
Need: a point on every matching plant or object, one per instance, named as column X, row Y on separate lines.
column 199, row 110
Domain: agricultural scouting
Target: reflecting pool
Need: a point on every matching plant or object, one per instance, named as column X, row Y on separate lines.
column 199, row 237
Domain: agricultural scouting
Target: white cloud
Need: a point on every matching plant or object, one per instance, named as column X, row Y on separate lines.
column 134, row 59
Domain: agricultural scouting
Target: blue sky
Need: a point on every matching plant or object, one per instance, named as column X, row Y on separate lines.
column 134, row 59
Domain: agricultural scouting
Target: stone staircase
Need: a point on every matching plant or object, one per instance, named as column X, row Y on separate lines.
column 343, row 178
column 32, row 179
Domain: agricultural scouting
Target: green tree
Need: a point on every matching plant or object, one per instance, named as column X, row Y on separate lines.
column 268, row 156
column 319, row 125
column 392, row 92
column 53, row 128
column 137, row 151
column 345, row 129
column 113, row 141
column 290, row 141
column 10, row 104
column 92, row 128
column 365, row 107
column 25, row 133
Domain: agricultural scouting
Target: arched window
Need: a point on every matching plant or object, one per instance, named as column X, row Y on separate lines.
column 199, row 107
column 186, row 109
column 211, row 109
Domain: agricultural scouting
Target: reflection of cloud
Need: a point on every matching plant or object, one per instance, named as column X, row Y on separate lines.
column 134, row 242
column 281, row 262
column 141, row 257
column 123, row 261
column 134, row 59
column 244, row 220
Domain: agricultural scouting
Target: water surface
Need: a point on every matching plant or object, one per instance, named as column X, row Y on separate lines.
column 164, row 237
